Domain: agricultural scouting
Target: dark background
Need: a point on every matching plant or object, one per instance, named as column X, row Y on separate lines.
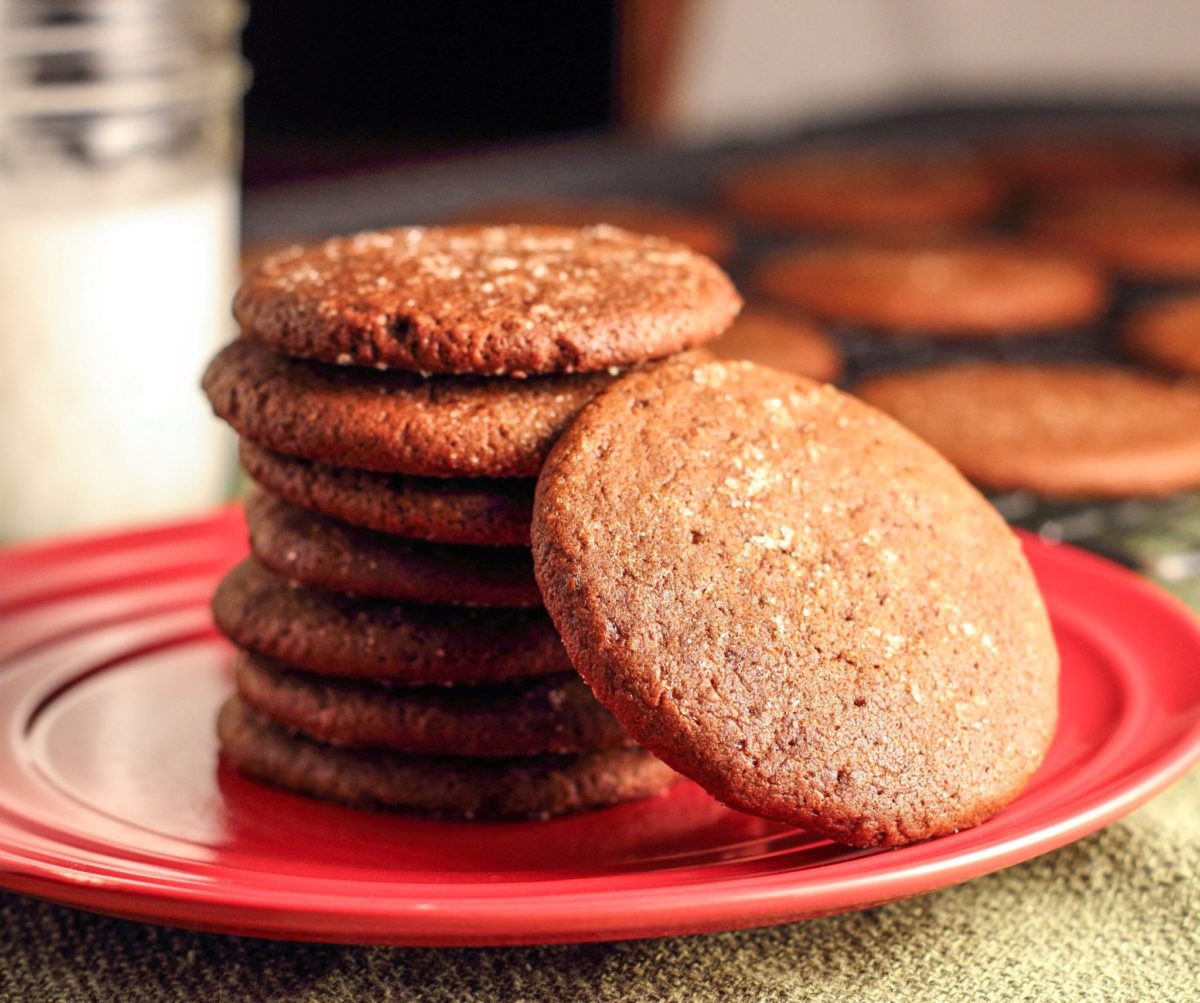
column 345, row 85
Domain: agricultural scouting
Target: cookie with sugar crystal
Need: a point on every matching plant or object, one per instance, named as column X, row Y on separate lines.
column 792, row 600
column 551, row 714
column 963, row 290
column 394, row 422
column 337, row 635
column 491, row 512
column 773, row 338
column 1068, row 431
column 1167, row 334
column 324, row 553
column 489, row 300
column 451, row 787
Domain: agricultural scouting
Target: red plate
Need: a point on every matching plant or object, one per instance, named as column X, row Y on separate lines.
column 110, row 675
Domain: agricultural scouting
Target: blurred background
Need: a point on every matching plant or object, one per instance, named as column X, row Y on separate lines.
column 144, row 144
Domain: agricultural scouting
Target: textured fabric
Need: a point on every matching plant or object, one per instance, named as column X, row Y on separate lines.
column 1113, row 917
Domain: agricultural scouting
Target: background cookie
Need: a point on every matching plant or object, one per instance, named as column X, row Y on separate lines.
column 1071, row 164
column 795, row 602
column 393, row 422
column 315, row 550
column 701, row 233
column 774, row 338
column 477, row 510
column 960, row 290
column 859, row 192
column 490, row 300
column 336, row 635
column 1070, row 431
column 1167, row 334
column 553, row 714
column 453, row 787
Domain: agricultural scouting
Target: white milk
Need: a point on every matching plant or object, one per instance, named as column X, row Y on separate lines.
column 108, row 315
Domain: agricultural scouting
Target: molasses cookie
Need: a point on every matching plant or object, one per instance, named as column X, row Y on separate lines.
column 1089, row 162
column 1065, row 431
column 394, row 422
column 773, row 338
column 532, row 787
column 490, row 300
column 553, row 714
column 475, row 510
column 315, row 550
column 795, row 602
column 337, row 635
column 858, row 192
column 1167, row 334
column 960, row 290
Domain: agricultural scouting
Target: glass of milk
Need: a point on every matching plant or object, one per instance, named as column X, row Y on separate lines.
column 119, row 145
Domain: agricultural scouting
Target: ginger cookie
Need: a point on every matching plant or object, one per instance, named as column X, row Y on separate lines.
column 476, row 510
column 863, row 192
column 394, row 422
column 324, row 553
column 773, row 338
column 337, row 635
column 792, row 600
column 701, row 233
column 458, row 787
column 489, row 300
column 1167, row 334
column 553, row 714
column 1089, row 162
column 978, row 290
column 1153, row 236
column 1065, row 431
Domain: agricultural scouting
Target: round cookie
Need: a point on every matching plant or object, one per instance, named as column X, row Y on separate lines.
column 1167, row 334
column 792, row 600
column 1154, row 236
column 531, row 787
column 394, row 422
column 554, row 714
column 476, row 510
column 701, row 233
column 1066, row 431
column 491, row 300
column 314, row 550
column 961, row 290
column 337, row 635
column 773, row 338
column 862, row 192
column 1089, row 162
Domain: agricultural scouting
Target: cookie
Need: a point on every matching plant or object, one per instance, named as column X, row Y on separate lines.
column 1167, row 334
column 337, row 635
column 792, row 600
column 393, row 422
column 1089, row 162
column 1152, row 236
column 773, row 338
column 1073, row 431
column 961, row 290
column 554, row 714
column 858, row 192
column 491, row 300
column 702, row 234
column 532, row 787
column 315, row 550
column 476, row 510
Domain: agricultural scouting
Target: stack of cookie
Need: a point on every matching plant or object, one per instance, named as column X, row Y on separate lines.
column 396, row 394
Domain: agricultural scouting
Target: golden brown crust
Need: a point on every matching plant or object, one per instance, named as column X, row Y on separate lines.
column 796, row 603
column 489, row 300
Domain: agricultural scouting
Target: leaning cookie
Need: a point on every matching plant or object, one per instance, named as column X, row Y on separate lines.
column 336, row 635
column 521, row 718
column 324, row 553
column 488, row 300
column 532, row 787
column 1067, row 431
column 794, row 601
column 1166, row 334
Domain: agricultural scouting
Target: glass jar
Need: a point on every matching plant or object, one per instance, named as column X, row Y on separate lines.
column 119, row 148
